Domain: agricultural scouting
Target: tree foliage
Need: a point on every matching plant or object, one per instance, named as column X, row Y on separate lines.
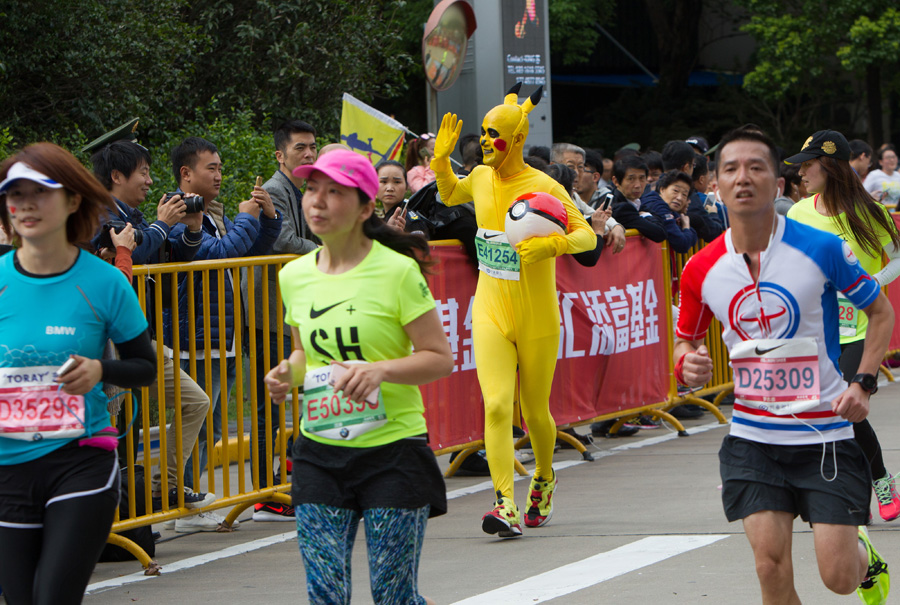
column 676, row 24
column 288, row 58
column 809, row 55
column 572, row 32
column 872, row 41
column 93, row 64
column 78, row 63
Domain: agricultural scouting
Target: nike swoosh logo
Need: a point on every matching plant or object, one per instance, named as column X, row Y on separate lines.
column 764, row 351
column 492, row 236
column 314, row 314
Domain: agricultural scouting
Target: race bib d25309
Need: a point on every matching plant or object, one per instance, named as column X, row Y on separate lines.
column 777, row 375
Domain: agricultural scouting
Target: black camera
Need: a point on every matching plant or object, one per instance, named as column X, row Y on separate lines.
column 193, row 203
column 117, row 226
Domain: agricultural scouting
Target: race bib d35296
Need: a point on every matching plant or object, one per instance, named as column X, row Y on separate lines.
column 32, row 407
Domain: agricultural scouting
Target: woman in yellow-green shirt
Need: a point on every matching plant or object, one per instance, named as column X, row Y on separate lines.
column 358, row 307
column 841, row 205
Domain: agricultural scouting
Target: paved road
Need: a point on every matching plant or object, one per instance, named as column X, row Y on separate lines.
column 641, row 524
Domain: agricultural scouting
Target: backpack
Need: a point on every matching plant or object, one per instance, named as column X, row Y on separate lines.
column 440, row 221
column 142, row 536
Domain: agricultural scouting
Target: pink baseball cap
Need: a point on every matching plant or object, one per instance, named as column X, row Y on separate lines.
column 346, row 168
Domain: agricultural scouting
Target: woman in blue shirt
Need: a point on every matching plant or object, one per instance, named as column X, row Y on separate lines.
column 59, row 305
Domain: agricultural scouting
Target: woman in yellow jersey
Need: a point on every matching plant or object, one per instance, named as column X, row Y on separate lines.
column 357, row 308
column 841, row 205
column 515, row 317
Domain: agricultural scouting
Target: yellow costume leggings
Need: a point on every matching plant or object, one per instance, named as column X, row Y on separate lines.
column 497, row 354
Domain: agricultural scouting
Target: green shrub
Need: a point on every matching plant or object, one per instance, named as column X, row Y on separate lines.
column 245, row 150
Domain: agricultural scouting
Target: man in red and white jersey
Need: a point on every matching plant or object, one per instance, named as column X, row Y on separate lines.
column 773, row 284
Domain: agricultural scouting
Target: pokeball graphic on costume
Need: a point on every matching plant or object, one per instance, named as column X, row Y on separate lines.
column 535, row 215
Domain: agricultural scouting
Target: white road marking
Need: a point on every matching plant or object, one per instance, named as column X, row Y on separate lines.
column 190, row 562
column 635, row 445
column 279, row 538
column 593, row 570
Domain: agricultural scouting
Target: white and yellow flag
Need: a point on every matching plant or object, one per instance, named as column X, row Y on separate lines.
column 369, row 132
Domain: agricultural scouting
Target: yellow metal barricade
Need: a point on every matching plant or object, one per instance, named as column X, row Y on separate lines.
column 235, row 446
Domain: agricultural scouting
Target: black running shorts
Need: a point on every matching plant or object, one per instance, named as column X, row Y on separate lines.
column 759, row 476
column 26, row 489
column 403, row 474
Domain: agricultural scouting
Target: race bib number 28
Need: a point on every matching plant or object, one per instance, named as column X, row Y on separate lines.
column 848, row 317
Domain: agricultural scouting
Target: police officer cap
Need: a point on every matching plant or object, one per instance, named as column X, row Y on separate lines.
column 125, row 132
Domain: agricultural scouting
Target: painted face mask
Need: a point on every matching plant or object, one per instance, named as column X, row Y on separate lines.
column 502, row 126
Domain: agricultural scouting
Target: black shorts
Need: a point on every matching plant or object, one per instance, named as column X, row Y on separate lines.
column 759, row 476
column 403, row 474
column 28, row 488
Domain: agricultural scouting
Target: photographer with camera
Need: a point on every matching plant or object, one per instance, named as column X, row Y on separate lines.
column 123, row 167
column 197, row 167
column 119, row 248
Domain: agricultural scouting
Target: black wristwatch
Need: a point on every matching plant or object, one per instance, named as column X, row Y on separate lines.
column 868, row 382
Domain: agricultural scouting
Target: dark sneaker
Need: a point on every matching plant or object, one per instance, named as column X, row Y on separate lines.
column 474, row 466
column 565, row 445
column 192, row 499
column 601, row 429
column 273, row 511
column 687, row 411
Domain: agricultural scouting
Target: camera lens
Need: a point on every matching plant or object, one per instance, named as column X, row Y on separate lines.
column 193, row 204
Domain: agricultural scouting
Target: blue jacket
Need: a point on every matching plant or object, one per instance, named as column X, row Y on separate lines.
column 680, row 240
column 246, row 236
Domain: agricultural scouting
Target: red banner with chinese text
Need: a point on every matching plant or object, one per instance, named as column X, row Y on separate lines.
column 613, row 352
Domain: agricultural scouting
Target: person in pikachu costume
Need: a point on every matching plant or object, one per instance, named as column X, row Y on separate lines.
column 515, row 317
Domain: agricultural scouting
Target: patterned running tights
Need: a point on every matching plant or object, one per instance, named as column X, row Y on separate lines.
column 394, row 538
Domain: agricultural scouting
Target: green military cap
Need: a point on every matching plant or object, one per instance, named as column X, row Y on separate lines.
column 633, row 146
column 125, row 132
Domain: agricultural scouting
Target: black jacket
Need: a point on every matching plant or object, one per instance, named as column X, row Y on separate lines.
column 648, row 225
column 706, row 224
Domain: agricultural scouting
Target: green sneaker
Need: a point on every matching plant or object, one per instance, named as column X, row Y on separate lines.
column 874, row 589
column 503, row 519
column 540, row 497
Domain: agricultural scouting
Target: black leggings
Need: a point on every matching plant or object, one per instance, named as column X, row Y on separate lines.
column 53, row 565
column 851, row 355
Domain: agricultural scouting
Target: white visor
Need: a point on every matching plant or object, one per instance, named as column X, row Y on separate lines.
column 21, row 170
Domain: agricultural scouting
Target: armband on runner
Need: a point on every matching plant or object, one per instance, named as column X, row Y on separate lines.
column 679, row 371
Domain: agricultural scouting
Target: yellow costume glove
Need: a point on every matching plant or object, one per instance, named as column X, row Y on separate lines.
column 536, row 249
column 445, row 142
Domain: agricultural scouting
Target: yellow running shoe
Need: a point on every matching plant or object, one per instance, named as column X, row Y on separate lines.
column 540, row 497
column 874, row 589
column 503, row 520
